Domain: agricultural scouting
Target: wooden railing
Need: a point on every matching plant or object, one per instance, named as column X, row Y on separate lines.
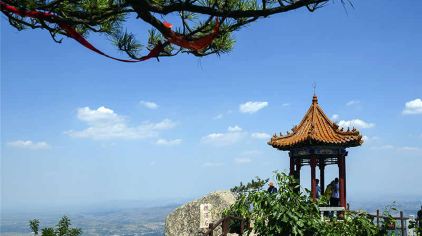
column 225, row 223
column 403, row 221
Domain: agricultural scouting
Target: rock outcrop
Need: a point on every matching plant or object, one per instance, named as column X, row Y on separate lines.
column 185, row 220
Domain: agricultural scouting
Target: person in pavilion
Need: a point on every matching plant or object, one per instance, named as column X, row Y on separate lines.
column 318, row 189
column 329, row 190
column 335, row 194
column 271, row 188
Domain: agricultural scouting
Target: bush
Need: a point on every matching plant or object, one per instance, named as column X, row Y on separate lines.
column 291, row 212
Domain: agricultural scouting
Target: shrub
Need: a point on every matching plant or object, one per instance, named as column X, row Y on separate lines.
column 291, row 212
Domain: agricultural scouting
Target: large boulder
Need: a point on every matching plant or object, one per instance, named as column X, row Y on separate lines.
column 185, row 220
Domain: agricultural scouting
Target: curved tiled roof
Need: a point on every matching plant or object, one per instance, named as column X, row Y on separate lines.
column 316, row 129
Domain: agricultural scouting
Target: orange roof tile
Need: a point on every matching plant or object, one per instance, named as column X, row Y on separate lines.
column 316, row 129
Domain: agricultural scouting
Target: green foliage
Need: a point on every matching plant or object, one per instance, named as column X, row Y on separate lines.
column 290, row 212
column 34, row 225
column 191, row 18
column 48, row 232
column 127, row 42
column 354, row 223
column 62, row 228
column 417, row 226
column 389, row 221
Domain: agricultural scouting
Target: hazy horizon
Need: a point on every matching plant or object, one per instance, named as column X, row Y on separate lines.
column 148, row 203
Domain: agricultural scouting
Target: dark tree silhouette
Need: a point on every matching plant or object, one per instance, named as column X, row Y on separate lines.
column 204, row 26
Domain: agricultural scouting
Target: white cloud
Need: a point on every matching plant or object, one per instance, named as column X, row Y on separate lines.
column 335, row 117
column 357, row 123
column 101, row 115
column 252, row 107
column 212, row 164
column 28, row 144
column 243, row 160
column 285, row 104
column 163, row 125
column 413, row 107
column 232, row 136
column 260, row 135
column 234, row 129
column 165, row 142
column 149, row 105
column 352, row 103
column 104, row 123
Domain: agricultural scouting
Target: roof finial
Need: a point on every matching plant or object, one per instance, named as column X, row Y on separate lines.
column 315, row 98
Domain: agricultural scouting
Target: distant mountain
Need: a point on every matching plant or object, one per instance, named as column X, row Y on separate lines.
column 123, row 222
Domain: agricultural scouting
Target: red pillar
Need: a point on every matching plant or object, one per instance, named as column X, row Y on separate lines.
column 341, row 168
column 297, row 172
column 322, row 175
column 345, row 182
column 313, row 180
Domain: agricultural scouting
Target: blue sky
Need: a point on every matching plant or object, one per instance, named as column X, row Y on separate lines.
column 78, row 128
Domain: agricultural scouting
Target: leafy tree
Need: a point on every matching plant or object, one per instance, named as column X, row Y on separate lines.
column 62, row 228
column 34, row 225
column 48, row 232
column 290, row 212
column 197, row 19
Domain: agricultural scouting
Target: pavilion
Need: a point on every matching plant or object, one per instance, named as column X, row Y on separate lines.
column 317, row 141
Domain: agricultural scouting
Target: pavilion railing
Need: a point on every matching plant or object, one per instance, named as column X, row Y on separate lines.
column 335, row 210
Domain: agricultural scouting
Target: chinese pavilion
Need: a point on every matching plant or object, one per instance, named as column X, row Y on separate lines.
column 317, row 141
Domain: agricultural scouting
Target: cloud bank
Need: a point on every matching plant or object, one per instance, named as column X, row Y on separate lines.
column 233, row 135
column 104, row 123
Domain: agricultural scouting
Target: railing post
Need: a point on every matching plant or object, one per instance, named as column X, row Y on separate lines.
column 378, row 218
column 225, row 226
column 402, row 223
column 242, row 226
column 211, row 227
